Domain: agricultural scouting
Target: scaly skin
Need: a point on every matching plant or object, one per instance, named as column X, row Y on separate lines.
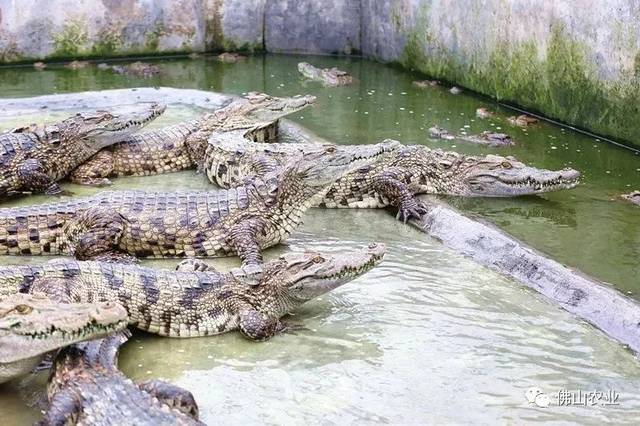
column 31, row 325
column 412, row 170
column 196, row 301
column 181, row 146
column 241, row 221
column 327, row 76
column 32, row 159
column 230, row 158
column 86, row 387
column 394, row 179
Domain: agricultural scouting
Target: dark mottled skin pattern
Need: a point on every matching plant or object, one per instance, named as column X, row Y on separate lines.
column 240, row 221
column 86, row 387
column 33, row 158
column 189, row 303
column 181, row 146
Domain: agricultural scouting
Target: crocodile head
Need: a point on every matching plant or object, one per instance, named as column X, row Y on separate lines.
column 32, row 325
column 266, row 108
column 99, row 129
column 295, row 278
column 489, row 176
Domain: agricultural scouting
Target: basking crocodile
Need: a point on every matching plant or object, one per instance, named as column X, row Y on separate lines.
column 180, row 146
column 34, row 158
column 86, row 387
column 191, row 303
column 31, row 325
column 327, row 76
column 396, row 177
column 241, row 221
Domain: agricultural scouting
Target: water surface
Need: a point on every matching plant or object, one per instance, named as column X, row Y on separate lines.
column 427, row 337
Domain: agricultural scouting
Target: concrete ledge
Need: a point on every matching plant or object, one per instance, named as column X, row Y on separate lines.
column 109, row 98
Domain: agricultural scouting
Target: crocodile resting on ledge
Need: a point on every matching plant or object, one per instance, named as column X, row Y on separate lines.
column 196, row 301
column 32, row 158
column 395, row 178
column 241, row 221
column 86, row 387
column 32, row 325
column 180, row 146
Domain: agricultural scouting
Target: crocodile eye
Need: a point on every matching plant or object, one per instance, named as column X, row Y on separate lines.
column 317, row 259
column 23, row 309
column 445, row 164
column 506, row 165
column 330, row 149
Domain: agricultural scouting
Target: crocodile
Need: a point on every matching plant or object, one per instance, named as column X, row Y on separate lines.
column 327, row 76
column 119, row 224
column 396, row 177
column 489, row 138
column 32, row 325
column 632, row 197
column 195, row 300
column 180, row 146
column 34, row 158
column 522, row 120
column 86, row 387
column 230, row 157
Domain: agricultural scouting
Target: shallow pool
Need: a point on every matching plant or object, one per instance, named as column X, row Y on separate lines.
column 428, row 336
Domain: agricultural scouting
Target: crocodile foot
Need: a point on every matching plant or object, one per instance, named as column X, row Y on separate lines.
column 251, row 274
column 192, row 265
column 411, row 208
column 99, row 182
column 115, row 257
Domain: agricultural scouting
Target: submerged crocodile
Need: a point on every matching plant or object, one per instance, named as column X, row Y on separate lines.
column 117, row 225
column 327, row 76
column 632, row 197
column 31, row 325
column 180, row 146
column 34, row 158
column 86, row 387
column 396, row 177
column 199, row 301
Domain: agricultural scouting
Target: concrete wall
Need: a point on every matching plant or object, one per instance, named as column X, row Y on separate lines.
column 574, row 60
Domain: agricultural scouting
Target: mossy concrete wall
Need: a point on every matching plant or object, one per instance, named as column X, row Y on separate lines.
column 574, row 60
column 577, row 61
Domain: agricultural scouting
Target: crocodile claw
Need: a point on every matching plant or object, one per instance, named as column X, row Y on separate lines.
column 192, row 265
column 411, row 209
column 251, row 274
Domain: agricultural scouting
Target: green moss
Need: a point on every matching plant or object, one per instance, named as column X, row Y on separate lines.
column 109, row 42
column 152, row 39
column 71, row 41
column 561, row 82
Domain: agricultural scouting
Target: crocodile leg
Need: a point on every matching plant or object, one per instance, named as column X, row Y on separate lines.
column 64, row 409
column 390, row 184
column 95, row 171
column 196, row 144
column 95, row 234
column 173, row 396
column 33, row 178
column 255, row 326
column 243, row 238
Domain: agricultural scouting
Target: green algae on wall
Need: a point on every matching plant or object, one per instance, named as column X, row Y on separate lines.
column 71, row 40
column 561, row 83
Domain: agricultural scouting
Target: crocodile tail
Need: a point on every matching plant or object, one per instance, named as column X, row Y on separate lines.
column 33, row 231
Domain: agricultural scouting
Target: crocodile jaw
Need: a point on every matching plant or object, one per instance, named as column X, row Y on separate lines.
column 321, row 273
column 104, row 128
column 47, row 325
column 524, row 181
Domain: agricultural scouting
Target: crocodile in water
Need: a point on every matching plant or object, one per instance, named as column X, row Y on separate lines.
column 31, row 325
column 194, row 301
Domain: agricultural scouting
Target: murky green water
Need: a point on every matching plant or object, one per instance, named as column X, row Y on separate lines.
column 428, row 337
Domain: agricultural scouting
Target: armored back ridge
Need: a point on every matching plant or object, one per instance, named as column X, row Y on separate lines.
column 190, row 303
column 181, row 146
column 32, row 159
